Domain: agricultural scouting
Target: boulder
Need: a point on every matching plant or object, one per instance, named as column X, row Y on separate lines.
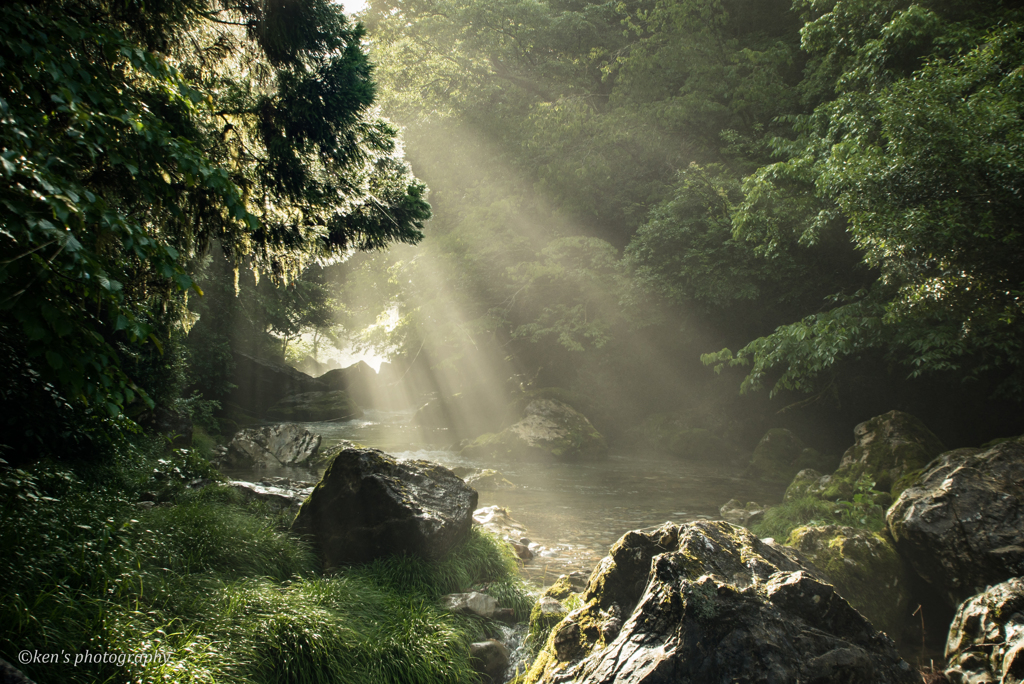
column 961, row 526
column 259, row 384
column 743, row 514
column 471, row 603
column 781, row 454
column 368, row 505
column 889, row 451
column 287, row 445
column 986, row 639
column 864, row 567
column 490, row 659
column 359, row 381
column 886, row 448
column 551, row 429
column 709, row 602
column 277, row 498
column 312, row 407
column 807, row 482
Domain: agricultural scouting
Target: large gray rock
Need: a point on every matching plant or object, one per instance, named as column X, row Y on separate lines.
column 490, row 659
column 311, row 407
column 550, row 429
column 368, row 505
column 708, row 602
column 359, row 381
column 961, row 527
column 277, row 498
column 259, row 384
column 272, row 445
column 986, row 639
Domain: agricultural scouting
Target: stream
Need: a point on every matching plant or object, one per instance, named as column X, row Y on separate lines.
column 573, row 511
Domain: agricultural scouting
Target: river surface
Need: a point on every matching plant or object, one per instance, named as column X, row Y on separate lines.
column 573, row 511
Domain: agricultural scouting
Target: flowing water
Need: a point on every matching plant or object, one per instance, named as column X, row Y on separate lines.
column 572, row 512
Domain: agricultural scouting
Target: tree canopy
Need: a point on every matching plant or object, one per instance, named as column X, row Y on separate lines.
column 812, row 185
column 135, row 135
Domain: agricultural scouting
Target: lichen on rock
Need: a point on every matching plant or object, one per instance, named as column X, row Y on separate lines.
column 986, row 639
column 708, row 602
column 961, row 526
column 865, row 569
column 886, row 448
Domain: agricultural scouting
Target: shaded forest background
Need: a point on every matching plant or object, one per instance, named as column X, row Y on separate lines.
column 817, row 200
column 733, row 215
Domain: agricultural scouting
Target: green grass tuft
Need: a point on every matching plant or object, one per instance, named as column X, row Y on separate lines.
column 218, row 586
column 780, row 520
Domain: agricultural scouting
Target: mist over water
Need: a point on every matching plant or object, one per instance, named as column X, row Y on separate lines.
column 574, row 510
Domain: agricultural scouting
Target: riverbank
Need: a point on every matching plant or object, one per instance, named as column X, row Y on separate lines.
column 173, row 581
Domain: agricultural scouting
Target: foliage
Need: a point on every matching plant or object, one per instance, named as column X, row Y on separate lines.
column 915, row 159
column 859, row 512
column 121, row 165
column 216, row 587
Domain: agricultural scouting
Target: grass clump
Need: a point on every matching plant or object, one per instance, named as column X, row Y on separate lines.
column 216, row 587
column 481, row 563
column 780, row 520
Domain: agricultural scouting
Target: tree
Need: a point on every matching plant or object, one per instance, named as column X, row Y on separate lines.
column 917, row 159
column 132, row 136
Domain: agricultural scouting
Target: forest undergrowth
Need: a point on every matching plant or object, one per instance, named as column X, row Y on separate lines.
column 207, row 588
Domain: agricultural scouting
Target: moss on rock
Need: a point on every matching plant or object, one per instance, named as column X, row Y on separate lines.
column 550, row 609
column 864, row 567
column 887, row 448
column 804, row 484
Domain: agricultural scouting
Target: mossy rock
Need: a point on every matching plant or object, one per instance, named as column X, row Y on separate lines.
column 713, row 567
column 805, row 483
column 561, row 589
column 551, row 608
column 865, row 569
column 516, row 409
column 550, row 430
column 889, row 447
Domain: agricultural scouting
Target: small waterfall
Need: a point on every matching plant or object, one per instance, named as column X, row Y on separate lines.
column 514, row 638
